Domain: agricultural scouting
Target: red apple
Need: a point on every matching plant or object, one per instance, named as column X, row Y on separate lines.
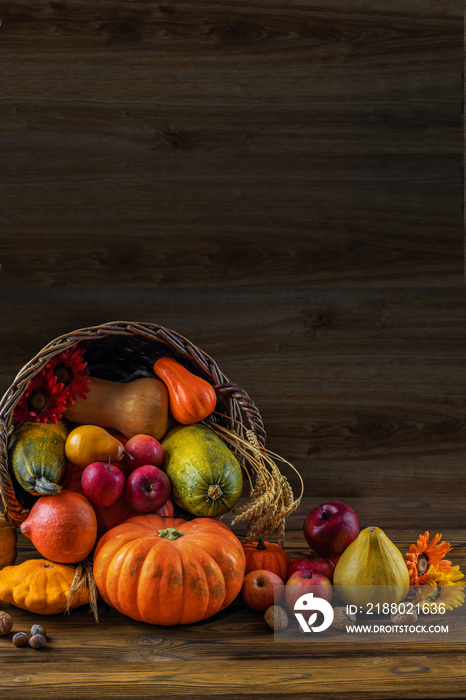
column 147, row 489
column 302, row 582
column 330, row 528
column 141, row 450
column 312, row 562
column 102, row 483
column 259, row 589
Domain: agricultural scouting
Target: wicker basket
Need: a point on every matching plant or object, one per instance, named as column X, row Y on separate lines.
column 123, row 351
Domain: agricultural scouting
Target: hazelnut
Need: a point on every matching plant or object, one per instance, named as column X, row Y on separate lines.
column 20, row 639
column 276, row 618
column 38, row 629
column 6, row 623
column 406, row 618
column 341, row 618
column 37, row 641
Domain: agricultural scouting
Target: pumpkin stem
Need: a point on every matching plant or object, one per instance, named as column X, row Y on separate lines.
column 170, row 533
column 215, row 492
column 261, row 544
column 46, row 487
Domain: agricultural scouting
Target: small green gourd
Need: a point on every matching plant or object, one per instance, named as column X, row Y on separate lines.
column 37, row 456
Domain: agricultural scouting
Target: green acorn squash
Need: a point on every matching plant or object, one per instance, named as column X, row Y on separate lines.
column 205, row 475
column 37, row 456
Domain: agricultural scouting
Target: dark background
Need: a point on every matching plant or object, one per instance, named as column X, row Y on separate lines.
column 363, row 390
column 245, row 142
column 281, row 183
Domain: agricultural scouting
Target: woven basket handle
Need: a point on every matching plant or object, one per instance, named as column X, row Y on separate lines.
column 14, row 512
column 241, row 402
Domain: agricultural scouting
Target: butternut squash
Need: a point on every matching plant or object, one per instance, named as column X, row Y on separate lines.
column 140, row 406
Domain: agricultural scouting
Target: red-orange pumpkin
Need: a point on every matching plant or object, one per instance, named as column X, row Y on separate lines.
column 169, row 571
column 266, row 555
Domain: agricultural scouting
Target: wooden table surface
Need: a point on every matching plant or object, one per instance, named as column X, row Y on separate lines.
column 234, row 654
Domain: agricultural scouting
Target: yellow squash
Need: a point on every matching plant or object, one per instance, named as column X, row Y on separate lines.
column 40, row 586
column 371, row 570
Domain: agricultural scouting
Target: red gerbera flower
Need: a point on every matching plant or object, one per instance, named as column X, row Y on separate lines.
column 43, row 401
column 69, row 369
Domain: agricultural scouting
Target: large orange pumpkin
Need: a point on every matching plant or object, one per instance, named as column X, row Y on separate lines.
column 266, row 555
column 169, row 571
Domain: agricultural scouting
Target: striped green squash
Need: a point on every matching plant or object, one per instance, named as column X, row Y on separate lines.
column 37, row 456
column 205, row 475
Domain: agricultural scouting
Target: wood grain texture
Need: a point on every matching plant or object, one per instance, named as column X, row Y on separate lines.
column 237, row 143
column 233, row 654
column 363, row 390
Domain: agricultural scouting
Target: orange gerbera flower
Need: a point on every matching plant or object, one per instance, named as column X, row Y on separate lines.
column 424, row 554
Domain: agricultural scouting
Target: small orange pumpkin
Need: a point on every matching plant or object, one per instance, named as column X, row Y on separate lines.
column 191, row 398
column 169, row 571
column 266, row 555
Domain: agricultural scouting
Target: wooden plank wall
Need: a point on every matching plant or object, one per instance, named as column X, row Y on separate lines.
column 281, row 182
column 363, row 390
column 242, row 142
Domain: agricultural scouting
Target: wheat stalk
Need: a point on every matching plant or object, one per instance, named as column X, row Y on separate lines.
column 271, row 498
column 84, row 577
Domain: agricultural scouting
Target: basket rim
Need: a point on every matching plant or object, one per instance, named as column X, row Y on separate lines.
column 236, row 401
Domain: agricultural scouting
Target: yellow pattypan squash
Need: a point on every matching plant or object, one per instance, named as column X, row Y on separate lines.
column 7, row 542
column 40, row 586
